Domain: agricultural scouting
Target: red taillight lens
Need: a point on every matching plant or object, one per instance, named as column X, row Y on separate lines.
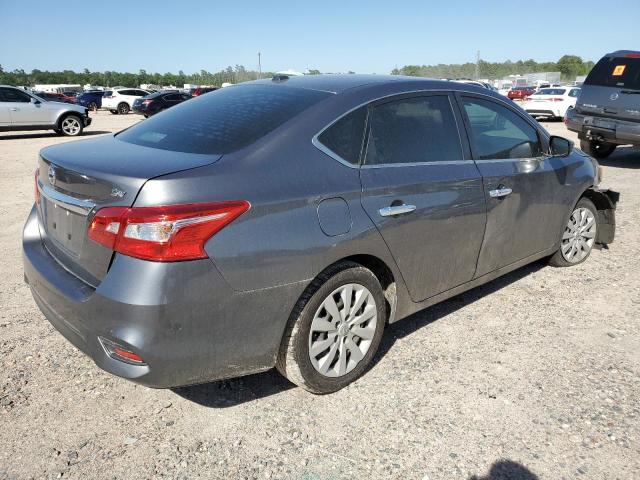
column 556, row 99
column 147, row 102
column 37, row 191
column 164, row 234
column 117, row 351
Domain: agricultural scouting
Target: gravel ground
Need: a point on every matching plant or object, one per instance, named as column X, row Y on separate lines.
column 535, row 375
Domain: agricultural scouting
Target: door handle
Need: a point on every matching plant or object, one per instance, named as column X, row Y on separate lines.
column 500, row 192
column 14, row 109
column 396, row 210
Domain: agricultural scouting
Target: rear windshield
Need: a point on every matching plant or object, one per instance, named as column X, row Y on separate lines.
column 621, row 72
column 551, row 91
column 222, row 121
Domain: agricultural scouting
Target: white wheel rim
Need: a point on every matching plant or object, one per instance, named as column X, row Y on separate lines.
column 71, row 126
column 579, row 235
column 342, row 330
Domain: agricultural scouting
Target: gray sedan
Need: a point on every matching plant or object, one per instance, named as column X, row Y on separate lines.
column 285, row 222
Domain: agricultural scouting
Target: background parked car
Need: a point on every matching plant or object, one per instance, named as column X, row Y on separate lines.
column 55, row 97
column 520, row 93
column 607, row 113
column 22, row 110
column 92, row 99
column 551, row 102
column 196, row 92
column 120, row 101
column 156, row 102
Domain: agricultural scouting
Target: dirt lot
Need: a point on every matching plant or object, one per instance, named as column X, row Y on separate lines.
column 535, row 375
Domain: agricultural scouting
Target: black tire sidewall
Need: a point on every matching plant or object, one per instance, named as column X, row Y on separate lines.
column 314, row 380
column 590, row 148
column 125, row 107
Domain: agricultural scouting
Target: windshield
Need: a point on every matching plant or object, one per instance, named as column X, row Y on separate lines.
column 621, row 72
column 222, row 121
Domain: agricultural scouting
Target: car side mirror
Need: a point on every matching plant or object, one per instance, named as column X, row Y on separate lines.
column 35, row 101
column 560, row 146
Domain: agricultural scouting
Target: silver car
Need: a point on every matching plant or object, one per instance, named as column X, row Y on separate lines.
column 285, row 222
column 22, row 110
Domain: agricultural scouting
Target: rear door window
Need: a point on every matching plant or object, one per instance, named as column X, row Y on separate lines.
column 499, row 133
column 344, row 137
column 413, row 130
column 621, row 72
column 223, row 121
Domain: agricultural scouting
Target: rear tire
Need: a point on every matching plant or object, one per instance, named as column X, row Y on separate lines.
column 324, row 352
column 123, row 108
column 93, row 106
column 597, row 149
column 578, row 236
column 114, row 112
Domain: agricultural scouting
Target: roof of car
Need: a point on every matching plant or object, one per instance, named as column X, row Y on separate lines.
column 338, row 83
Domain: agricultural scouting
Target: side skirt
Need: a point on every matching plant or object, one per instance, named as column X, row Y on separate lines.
column 415, row 307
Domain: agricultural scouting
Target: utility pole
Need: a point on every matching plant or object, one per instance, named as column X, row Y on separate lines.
column 259, row 66
column 477, row 65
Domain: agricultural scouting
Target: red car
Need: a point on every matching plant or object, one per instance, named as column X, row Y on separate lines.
column 56, row 97
column 520, row 93
column 196, row 92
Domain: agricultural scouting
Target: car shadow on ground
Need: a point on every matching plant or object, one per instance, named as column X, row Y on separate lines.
column 507, row 470
column 235, row 391
column 24, row 136
column 622, row 157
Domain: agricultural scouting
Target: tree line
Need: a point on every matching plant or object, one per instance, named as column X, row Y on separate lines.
column 569, row 66
column 235, row 74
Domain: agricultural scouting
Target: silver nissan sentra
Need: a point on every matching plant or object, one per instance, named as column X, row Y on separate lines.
column 285, row 222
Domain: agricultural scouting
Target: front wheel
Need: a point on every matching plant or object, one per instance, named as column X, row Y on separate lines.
column 335, row 329
column 597, row 149
column 123, row 108
column 579, row 235
column 71, row 126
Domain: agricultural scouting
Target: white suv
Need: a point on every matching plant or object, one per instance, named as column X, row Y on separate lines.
column 121, row 99
column 22, row 110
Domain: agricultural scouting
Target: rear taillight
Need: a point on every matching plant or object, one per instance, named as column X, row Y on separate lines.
column 556, row 99
column 147, row 102
column 164, row 234
column 37, row 191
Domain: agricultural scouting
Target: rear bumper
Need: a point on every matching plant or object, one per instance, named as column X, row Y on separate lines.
column 182, row 318
column 603, row 129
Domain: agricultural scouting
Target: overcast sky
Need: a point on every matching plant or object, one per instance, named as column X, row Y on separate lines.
column 331, row 36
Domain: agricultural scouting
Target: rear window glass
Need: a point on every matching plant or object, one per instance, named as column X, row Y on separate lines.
column 621, row 72
column 551, row 91
column 223, row 121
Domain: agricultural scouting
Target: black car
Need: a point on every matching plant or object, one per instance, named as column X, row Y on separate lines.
column 156, row 102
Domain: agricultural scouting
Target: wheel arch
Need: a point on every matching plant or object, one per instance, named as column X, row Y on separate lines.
column 64, row 115
column 605, row 202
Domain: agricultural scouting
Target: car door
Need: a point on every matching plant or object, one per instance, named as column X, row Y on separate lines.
column 422, row 191
column 24, row 109
column 523, row 187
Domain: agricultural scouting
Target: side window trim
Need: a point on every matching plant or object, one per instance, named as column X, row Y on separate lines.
column 464, row 146
column 542, row 139
column 327, row 151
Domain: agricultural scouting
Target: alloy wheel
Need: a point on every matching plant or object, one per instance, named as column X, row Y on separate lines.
column 342, row 330
column 71, row 126
column 579, row 235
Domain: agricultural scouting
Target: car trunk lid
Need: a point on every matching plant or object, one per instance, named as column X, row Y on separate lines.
column 78, row 178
